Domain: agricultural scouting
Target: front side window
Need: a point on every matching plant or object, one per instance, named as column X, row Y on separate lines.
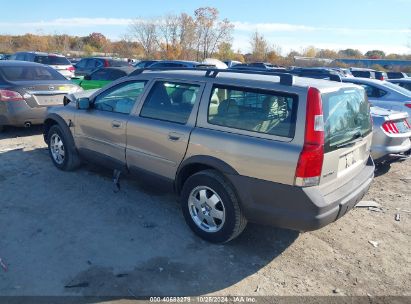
column 170, row 101
column 264, row 112
column 121, row 98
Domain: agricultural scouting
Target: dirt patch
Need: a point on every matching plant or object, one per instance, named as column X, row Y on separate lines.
column 69, row 234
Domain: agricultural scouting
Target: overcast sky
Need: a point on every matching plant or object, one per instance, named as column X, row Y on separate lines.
column 362, row 24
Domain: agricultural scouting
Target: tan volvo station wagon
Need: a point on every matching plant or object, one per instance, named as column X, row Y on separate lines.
column 238, row 146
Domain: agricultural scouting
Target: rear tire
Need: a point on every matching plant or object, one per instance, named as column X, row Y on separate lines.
column 210, row 207
column 63, row 156
column 1, row 128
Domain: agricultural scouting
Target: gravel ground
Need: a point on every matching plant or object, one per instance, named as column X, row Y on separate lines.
column 70, row 234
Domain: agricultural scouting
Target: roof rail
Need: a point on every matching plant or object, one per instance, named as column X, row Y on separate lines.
column 285, row 78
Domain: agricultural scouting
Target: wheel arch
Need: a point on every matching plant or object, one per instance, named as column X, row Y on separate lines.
column 54, row 119
column 199, row 163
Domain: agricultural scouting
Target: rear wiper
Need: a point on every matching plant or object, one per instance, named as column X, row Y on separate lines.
column 356, row 138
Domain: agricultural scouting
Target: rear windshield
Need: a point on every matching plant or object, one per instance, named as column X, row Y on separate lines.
column 51, row 60
column 29, row 73
column 346, row 117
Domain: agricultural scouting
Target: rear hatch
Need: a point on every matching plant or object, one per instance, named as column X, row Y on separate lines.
column 347, row 135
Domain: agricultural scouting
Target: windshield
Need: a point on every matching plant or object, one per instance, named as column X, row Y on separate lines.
column 397, row 88
column 52, row 60
column 30, row 73
column 346, row 117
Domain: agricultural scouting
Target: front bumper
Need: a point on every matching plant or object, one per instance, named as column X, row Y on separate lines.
column 297, row 208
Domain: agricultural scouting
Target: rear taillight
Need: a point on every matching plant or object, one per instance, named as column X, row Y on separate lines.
column 311, row 158
column 7, row 95
column 106, row 63
column 407, row 124
column 71, row 69
column 408, row 105
column 390, row 127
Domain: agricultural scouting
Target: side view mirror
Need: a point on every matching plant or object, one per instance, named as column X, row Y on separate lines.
column 87, row 77
column 83, row 103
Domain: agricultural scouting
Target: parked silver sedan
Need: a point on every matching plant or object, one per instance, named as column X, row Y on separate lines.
column 391, row 134
column 385, row 94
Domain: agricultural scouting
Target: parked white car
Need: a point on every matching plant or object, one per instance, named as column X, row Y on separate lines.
column 56, row 61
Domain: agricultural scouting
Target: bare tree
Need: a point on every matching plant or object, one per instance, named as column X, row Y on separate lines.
column 210, row 32
column 183, row 36
column 168, row 36
column 187, row 35
column 145, row 32
column 259, row 47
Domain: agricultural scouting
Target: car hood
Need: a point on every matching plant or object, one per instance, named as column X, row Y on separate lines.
column 387, row 114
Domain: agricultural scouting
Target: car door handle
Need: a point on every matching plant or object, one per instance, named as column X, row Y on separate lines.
column 174, row 136
column 116, row 124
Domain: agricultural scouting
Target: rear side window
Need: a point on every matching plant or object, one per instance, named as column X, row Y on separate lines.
column 167, row 65
column 101, row 74
column 51, row 60
column 116, row 74
column 258, row 111
column 28, row 73
column 363, row 74
column 118, row 63
column 346, row 117
column 170, row 101
column 372, row 91
column 107, row 75
column 93, row 63
column 405, row 85
column 82, row 63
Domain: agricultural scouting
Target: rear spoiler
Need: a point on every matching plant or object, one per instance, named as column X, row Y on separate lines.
column 396, row 116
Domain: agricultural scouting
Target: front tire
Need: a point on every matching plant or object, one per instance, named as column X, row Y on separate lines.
column 210, row 207
column 63, row 156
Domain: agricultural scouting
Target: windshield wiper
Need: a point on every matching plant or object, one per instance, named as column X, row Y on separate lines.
column 356, row 138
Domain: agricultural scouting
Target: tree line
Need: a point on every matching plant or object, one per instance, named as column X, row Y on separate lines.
column 186, row 37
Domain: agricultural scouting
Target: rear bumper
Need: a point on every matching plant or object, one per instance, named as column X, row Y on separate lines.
column 17, row 113
column 381, row 152
column 299, row 208
column 384, row 144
